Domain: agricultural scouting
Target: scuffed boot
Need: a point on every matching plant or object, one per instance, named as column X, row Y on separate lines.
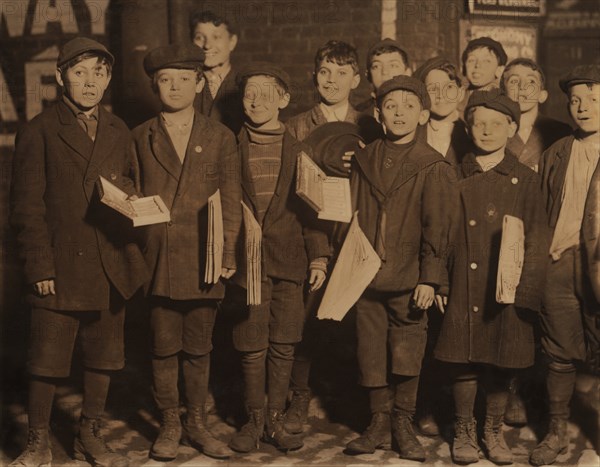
column 90, row 446
column 515, row 413
column 37, row 453
column 378, row 435
column 167, row 443
column 297, row 413
column 198, row 436
column 493, row 440
column 556, row 442
column 465, row 449
column 428, row 425
column 404, row 435
column 276, row 434
column 248, row 438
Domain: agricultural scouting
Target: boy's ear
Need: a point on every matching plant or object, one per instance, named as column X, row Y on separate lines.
column 200, row 85
column 512, row 129
column 543, row 96
column 59, row 78
column 499, row 71
column 284, row 101
column 378, row 114
column 423, row 117
column 409, row 71
column 355, row 81
column 233, row 40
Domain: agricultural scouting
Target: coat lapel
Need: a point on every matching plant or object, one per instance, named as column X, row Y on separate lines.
column 199, row 138
column 106, row 138
column 163, row 149
column 368, row 168
column 72, row 134
column 247, row 184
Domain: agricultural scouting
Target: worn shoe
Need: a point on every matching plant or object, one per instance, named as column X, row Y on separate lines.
column 248, row 438
column 91, row 447
column 465, row 449
column 495, row 444
column 37, row 453
column 428, row 426
column 196, row 434
column 169, row 435
column 276, row 434
column 378, row 435
column 556, row 442
column 404, row 435
column 297, row 413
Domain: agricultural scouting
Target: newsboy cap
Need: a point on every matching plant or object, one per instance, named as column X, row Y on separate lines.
column 387, row 42
column 431, row 64
column 495, row 100
column 81, row 45
column 330, row 141
column 579, row 75
column 406, row 83
column 181, row 56
column 490, row 44
column 264, row 68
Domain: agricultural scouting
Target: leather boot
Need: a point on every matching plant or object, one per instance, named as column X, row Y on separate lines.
column 37, row 453
column 556, row 442
column 248, row 438
column 465, row 449
column 169, row 435
column 297, row 413
column 428, row 425
column 378, row 435
column 197, row 435
column 493, row 439
column 404, row 435
column 90, row 446
column 276, row 434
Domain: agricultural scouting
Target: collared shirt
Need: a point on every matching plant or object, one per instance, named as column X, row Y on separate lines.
column 179, row 133
column 334, row 115
column 582, row 164
column 86, row 120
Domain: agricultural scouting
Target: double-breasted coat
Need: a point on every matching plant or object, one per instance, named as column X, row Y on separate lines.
column 63, row 230
column 475, row 327
column 176, row 251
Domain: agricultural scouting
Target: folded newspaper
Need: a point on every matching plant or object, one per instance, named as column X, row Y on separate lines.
column 215, row 241
column 510, row 261
column 253, row 244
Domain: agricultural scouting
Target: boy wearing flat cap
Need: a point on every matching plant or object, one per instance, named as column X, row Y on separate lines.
column 482, row 339
column 185, row 158
column 571, row 191
column 79, row 255
column 266, row 334
column 483, row 62
column 403, row 192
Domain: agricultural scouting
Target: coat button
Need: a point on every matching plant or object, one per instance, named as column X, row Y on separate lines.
column 472, row 222
column 79, row 252
column 514, row 180
column 473, row 266
column 198, row 149
column 113, row 176
column 170, row 223
column 475, row 309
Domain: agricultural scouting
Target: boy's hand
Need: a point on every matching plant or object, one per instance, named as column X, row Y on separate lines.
column 227, row 273
column 347, row 158
column 133, row 198
column 316, row 279
column 423, row 296
column 43, row 288
column 440, row 302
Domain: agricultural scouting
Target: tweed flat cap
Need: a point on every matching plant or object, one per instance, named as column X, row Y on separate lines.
column 579, row 75
column 489, row 43
column 431, row 64
column 264, row 68
column 81, row 45
column 406, row 83
column 181, row 56
column 495, row 100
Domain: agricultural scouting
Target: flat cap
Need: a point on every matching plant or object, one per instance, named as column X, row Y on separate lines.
column 180, row 56
column 264, row 68
column 330, row 141
column 387, row 42
column 490, row 44
column 579, row 75
column 495, row 100
column 431, row 64
column 81, row 45
column 406, row 83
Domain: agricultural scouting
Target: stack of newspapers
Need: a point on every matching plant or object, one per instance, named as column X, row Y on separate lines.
column 215, row 240
column 253, row 241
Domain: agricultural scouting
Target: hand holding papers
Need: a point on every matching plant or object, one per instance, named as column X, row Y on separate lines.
column 510, row 262
column 329, row 196
column 253, row 256
column 354, row 270
column 142, row 211
column 215, row 241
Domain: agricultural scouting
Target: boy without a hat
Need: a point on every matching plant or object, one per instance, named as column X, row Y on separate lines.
column 402, row 189
column 184, row 157
column 79, row 256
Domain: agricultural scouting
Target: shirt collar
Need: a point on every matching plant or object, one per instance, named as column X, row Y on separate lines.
column 77, row 111
column 470, row 166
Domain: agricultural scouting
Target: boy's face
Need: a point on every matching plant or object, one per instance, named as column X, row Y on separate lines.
column 401, row 113
column 263, row 99
column 491, row 129
column 445, row 94
column 482, row 67
column 334, row 82
column 584, row 106
column 524, row 85
column 85, row 82
column 386, row 66
column 217, row 43
column 177, row 88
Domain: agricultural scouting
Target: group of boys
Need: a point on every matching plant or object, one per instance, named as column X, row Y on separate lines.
column 444, row 163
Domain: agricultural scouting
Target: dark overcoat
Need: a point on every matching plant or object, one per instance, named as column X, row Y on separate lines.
column 475, row 327
column 301, row 125
column 63, row 230
column 176, row 251
column 290, row 238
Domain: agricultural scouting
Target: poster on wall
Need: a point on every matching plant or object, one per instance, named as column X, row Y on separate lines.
column 514, row 8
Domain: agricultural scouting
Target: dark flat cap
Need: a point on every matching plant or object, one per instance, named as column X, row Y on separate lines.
column 490, row 44
column 431, row 64
column 406, row 83
column 81, row 45
column 181, row 56
column 264, row 68
column 387, row 42
column 495, row 100
column 330, row 141
column 579, row 75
